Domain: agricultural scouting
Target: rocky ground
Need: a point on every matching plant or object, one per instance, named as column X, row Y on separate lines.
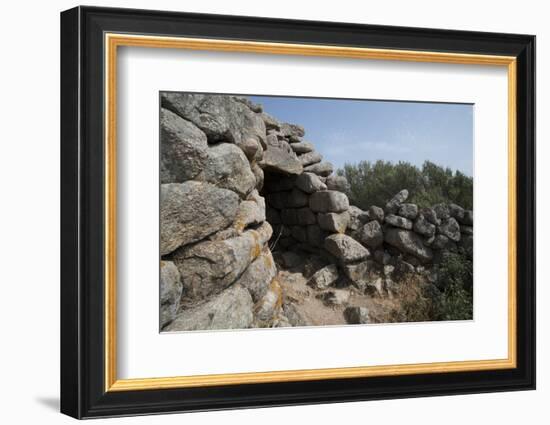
column 257, row 231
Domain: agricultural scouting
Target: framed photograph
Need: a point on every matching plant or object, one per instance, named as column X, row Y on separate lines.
column 261, row 212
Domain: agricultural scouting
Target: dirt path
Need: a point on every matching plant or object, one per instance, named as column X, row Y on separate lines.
column 303, row 305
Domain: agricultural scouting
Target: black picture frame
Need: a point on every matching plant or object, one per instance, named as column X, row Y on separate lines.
column 82, row 212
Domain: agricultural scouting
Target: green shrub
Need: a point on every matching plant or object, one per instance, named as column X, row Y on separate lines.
column 455, row 280
column 374, row 183
column 451, row 298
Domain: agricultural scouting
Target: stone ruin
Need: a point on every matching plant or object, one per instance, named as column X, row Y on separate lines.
column 239, row 188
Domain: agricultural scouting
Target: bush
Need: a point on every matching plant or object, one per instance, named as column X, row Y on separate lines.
column 451, row 298
column 455, row 280
column 376, row 183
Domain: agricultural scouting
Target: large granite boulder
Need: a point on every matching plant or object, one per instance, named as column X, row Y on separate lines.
column 393, row 205
column 220, row 117
column 309, row 158
column 170, row 291
column 281, row 159
column 269, row 306
column 333, row 222
column 371, row 234
column 442, row 211
column 309, row 183
column 357, row 217
column 259, row 275
column 423, row 226
column 228, row 167
column 328, row 201
column 409, row 211
column 450, row 228
column 358, row 273
column 431, row 216
column 250, row 212
column 303, row 147
column 208, row 267
column 183, row 151
column 289, row 130
column 345, row 248
column 398, row 221
column 376, row 213
column 323, row 169
column 191, row 211
column 339, row 183
column 408, row 242
column 457, row 212
column 231, row 309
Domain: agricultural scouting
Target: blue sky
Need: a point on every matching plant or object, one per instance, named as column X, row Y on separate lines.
column 348, row 131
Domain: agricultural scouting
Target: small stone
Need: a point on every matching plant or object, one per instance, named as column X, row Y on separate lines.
column 431, row 216
column 450, row 228
column 382, row 257
column 310, row 158
column 333, row 222
column 328, row 201
column 456, row 211
column 376, row 213
column 303, row 147
column 339, row 183
column 345, row 248
column 270, row 122
column 357, row 315
column 371, row 234
column 408, row 242
column 325, row 277
column 321, row 169
column 394, row 203
column 409, row 211
column 400, row 222
column 292, row 130
column 440, row 242
column 251, row 147
column 309, row 183
column 423, row 226
column 357, row 217
column 170, row 291
column 357, row 273
column 442, row 211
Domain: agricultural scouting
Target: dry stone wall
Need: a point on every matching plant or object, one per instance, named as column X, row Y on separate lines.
column 237, row 186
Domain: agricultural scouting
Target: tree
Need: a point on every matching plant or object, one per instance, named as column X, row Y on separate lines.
column 375, row 183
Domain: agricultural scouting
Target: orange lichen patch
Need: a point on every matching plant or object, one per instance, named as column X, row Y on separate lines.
column 239, row 225
column 268, row 259
column 257, row 247
column 275, row 286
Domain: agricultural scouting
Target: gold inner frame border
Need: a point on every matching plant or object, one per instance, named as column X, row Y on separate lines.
column 111, row 43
